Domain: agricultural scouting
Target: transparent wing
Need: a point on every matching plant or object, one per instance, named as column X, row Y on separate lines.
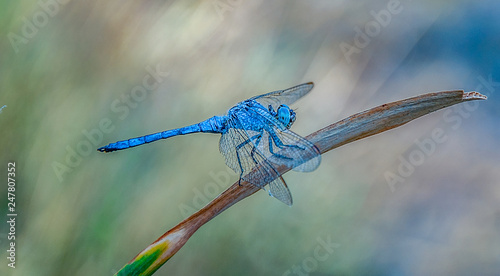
column 287, row 96
column 279, row 190
column 244, row 149
column 294, row 151
column 282, row 146
column 244, row 159
column 242, row 153
column 256, row 144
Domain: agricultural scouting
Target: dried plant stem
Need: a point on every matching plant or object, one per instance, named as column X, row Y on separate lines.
column 355, row 127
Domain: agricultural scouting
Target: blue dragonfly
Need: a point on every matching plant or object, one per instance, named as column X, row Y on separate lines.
column 256, row 137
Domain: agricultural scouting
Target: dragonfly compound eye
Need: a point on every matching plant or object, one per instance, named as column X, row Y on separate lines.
column 285, row 115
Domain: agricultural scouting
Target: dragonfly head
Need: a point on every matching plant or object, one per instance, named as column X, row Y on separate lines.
column 285, row 115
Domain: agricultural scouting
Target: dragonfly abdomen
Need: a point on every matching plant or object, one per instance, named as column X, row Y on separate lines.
column 216, row 124
column 213, row 125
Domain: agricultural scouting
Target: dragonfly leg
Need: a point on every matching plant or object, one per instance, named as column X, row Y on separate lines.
column 256, row 144
column 281, row 145
column 239, row 164
column 257, row 138
column 271, row 148
column 268, row 172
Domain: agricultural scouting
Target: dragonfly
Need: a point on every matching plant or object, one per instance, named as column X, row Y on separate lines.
column 256, row 140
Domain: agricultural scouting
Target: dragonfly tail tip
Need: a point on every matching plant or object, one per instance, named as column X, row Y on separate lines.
column 102, row 149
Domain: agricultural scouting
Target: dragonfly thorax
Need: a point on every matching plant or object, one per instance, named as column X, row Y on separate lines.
column 284, row 114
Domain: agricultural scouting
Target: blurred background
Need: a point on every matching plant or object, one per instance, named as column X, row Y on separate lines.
column 77, row 75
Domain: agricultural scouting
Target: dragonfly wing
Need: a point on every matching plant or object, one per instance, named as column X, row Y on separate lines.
column 286, row 96
column 256, row 144
column 296, row 152
column 250, row 160
column 281, row 146
column 242, row 151
column 279, row 190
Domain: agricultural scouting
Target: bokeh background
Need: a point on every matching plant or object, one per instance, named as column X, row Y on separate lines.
column 81, row 74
